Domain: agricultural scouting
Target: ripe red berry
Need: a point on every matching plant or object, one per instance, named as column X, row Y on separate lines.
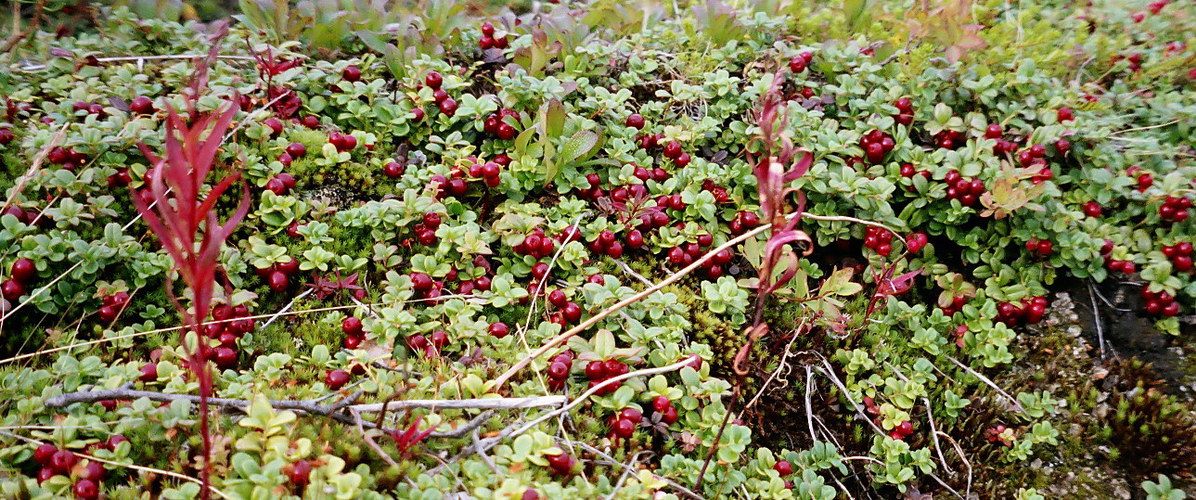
column 558, row 370
column 149, row 372
column 487, row 29
column 623, row 428
column 351, row 73
column 783, row 468
column 12, row 290
column 632, row 414
column 571, row 312
column 141, row 105
column 392, row 170
column 672, row 150
column 225, row 357
column 499, row 329
column 44, row 453
column 296, row 149
column 660, row 403
column 62, row 461
column 433, row 80
column 1093, row 209
column 635, row 120
column 421, row 282
column 448, row 106
column 335, row 379
column 300, row 472
column 23, row 270
column 86, row 489
column 1065, row 114
column 557, row 298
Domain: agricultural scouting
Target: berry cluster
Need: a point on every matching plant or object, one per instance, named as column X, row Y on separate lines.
column 686, row 254
column 905, row 111
column 949, row 139
column 536, row 245
column 91, row 108
column 487, row 171
column 490, row 39
column 664, row 407
column 876, row 145
column 743, row 222
column 496, row 125
column 354, row 332
column 599, row 371
column 1145, row 180
column 1180, row 255
column 425, row 231
column 112, row 305
column 1160, row 303
column 957, row 303
column 430, row 345
column 1175, row 208
column 878, row 240
column 623, row 424
column 1042, row 247
column 87, row 475
column 673, row 151
column 1030, row 312
column 281, row 184
column 447, row 105
column 229, row 325
column 900, row 432
column 278, row 275
column 719, row 192
column 798, row 63
column 558, row 370
column 967, row 191
column 292, row 152
column 424, row 286
column 20, row 275
column 567, row 312
column 916, row 241
column 342, row 142
column 68, row 158
column 606, row 244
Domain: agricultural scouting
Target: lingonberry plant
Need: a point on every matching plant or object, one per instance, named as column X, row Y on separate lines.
column 682, row 250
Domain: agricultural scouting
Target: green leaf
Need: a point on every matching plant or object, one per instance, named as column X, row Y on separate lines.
column 580, row 147
column 553, row 117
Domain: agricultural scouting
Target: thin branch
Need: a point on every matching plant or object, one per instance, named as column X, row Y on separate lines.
column 370, row 441
column 482, row 454
column 988, row 382
column 309, row 406
column 609, row 460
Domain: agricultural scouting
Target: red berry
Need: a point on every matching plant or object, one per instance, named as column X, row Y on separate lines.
column 336, row 379
column 557, row 298
column 351, row 73
column 1092, row 209
column 571, row 312
column 225, row 357
column 558, row 370
column 421, row 282
column 595, row 370
column 44, row 453
column 141, row 105
column 86, row 489
column 433, row 80
column 448, row 106
column 149, row 372
column 1065, row 114
column 499, row 329
column 62, row 461
column 635, row 120
column 783, row 468
column 296, row 149
column 300, row 472
column 23, row 270
column 12, row 290
column 672, row 150
column 624, row 428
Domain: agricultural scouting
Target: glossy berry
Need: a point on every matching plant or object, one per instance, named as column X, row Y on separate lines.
column 141, row 105
column 225, row 357
column 335, row 379
column 783, row 468
column 23, row 270
column 499, row 329
column 351, row 73
column 433, row 80
column 86, row 489
column 635, row 120
column 12, row 290
column 300, row 472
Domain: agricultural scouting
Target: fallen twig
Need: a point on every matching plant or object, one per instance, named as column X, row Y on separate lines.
column 988, row 382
